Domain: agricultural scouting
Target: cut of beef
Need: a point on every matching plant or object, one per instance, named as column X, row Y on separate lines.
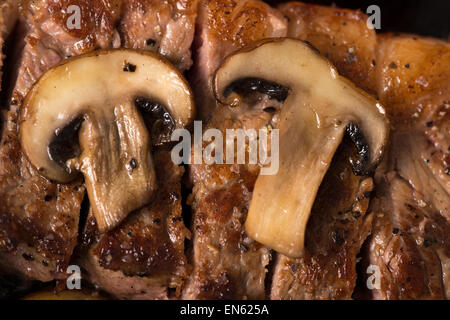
column 410, row 241
column 223, row 27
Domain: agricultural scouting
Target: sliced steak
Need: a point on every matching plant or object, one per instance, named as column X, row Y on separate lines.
column 144, row 256
column 223, row 27
column 412, row 73
column 50, row 39
column 227, row 263
column 39, row 219
column 166, row 27
column 410, row 243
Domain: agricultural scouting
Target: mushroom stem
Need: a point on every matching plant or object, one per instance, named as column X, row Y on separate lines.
column 280, row 220
column 112, row 153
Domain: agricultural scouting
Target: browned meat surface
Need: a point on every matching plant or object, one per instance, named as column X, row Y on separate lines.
column 337, row 228
column 166, row 27
column 223, row 27
column 49, row 39
column 227, row 263
column 410, row 243
column 340, row 35
column 144, row 256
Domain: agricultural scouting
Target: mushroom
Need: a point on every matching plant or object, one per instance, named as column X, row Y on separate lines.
column 319, row 107
column 96, row 98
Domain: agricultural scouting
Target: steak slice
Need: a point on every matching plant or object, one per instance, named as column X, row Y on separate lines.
column 166, row 27
column 410, row 243
column 39, row 219
column 144, row 256
column 227, row 263
column 223, row 27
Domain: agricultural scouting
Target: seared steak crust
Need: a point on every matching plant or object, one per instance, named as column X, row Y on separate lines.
column 227, row 263
column 223, row 27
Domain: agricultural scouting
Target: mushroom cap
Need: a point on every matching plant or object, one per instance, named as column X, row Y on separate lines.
column 95, row 82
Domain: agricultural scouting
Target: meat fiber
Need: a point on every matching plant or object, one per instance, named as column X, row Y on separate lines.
column 339, row 222
column 227, row 263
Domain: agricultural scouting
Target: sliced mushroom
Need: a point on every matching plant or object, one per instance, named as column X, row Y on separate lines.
column 319, row 108
column 94, row 98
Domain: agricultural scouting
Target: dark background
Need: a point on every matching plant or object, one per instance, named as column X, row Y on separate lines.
column 423, row 17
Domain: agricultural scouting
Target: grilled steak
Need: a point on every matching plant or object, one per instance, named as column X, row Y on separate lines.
column 403, row 230
column 339, row 222
column 338, row 226
column 166, row 27
column 341, row 35
column 410, row 242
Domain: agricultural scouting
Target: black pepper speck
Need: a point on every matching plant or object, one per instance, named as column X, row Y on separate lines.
column 128, row 67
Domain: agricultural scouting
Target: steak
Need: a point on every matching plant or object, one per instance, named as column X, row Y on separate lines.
column 410, row 242
column 223, row 27
column 341, row 35
column 166, row 27
column 337, row 228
